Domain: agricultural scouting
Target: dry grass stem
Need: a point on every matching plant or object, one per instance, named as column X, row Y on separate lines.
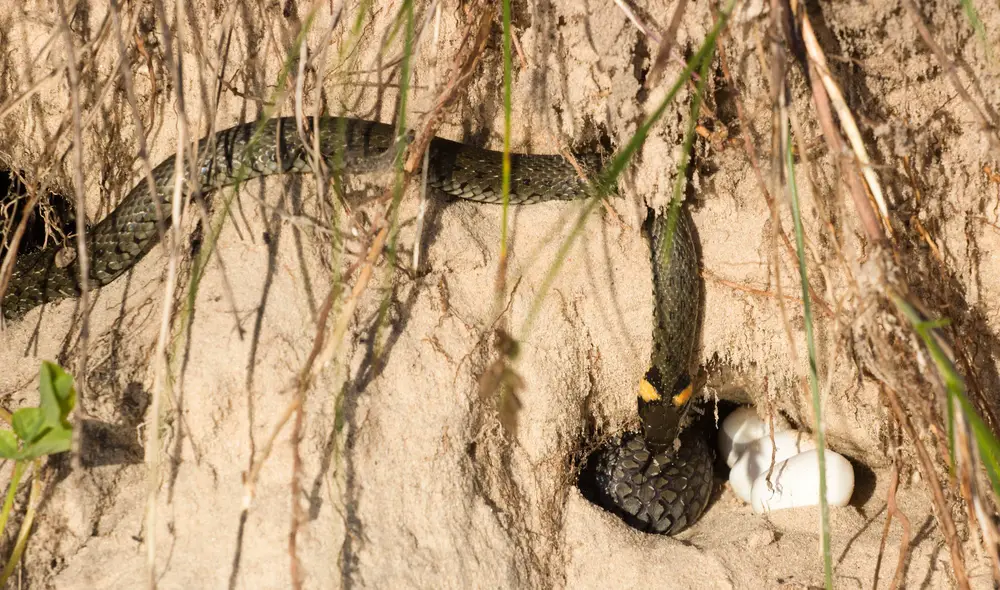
column 965, row 468
column 82, row 256
column 172, row 246
column 331, row 348
column 422, row 207
column 937, row 494
column 846, row 117
column 645, row 29
column 668, row 42
column 904, row 542
column 466, row 59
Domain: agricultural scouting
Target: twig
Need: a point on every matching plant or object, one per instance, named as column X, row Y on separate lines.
column 82, row 257
column 470, row 51
column 398, row 59
column 319, row 167
column 824, row 116
column 332, row 346
column 643, row 28
column 153, row 90
column 140, row 130
column 303, row 382
column 904, row 541
column 707, row 274
column 326, row 349
column 89, row 47
column 779, row 122
column 667, row 44
column 13, row 103
column 298, row 518
column 14, row 244
column 915, row 219
column 520, row 51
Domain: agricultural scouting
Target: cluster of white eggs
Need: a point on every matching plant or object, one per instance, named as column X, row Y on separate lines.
column 746, row 443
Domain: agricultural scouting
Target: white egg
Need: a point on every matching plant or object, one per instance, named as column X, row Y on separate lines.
column 795, row 483
column 739, row 429
column 757, row 458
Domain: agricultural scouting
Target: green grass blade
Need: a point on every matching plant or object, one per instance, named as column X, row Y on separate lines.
column 989, row 447
column 505, row 175
column 406, row 14
column 986, row 441
column 621, row 159
column 813, row 378
column 951, row 428
column 977, row 25
column 8, row 502
column 680, row 179
column 25, row 530
column 606, row 181
column 200, row 263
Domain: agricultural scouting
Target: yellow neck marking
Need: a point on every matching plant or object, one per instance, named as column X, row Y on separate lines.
column 648, row 392
column 681, row 398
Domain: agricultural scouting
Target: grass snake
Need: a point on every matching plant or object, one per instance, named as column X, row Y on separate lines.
column 645, row 477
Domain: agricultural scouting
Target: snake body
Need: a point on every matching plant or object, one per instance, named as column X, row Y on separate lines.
column 659, row 480
column 642, row 467
column 275, row 146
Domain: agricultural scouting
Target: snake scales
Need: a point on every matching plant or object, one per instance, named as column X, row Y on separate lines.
column 641, row 477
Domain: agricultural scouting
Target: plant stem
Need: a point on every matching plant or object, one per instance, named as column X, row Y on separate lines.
column 8, row 502
column 813, row 379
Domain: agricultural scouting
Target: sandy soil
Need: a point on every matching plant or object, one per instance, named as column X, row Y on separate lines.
column 409, row 478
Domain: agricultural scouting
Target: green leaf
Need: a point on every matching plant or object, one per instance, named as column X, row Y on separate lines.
column 58, row 396
column 56, row 440
column 8, row 444
column 47, row 392
column 65, row 394
column 28, row 423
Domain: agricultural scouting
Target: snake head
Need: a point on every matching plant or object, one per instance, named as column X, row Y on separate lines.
column 663, row 416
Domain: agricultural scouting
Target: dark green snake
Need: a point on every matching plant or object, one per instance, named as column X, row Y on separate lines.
column 643, row 478
column 660, row 480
